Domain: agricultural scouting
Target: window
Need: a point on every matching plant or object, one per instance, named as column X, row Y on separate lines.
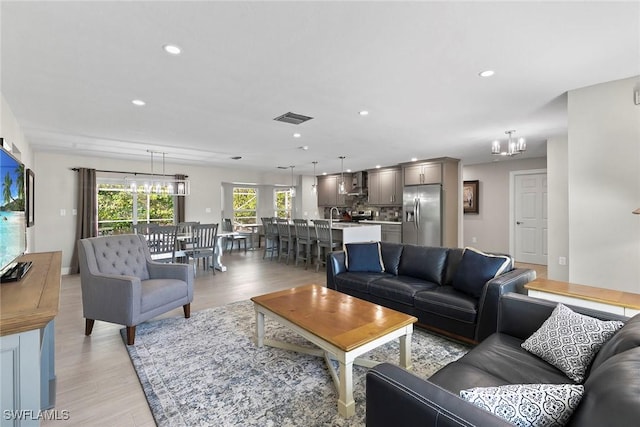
column 245, row 205
column 116, row 212
column 283, row 202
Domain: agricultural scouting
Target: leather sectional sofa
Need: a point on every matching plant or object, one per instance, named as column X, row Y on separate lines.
column 611, row 386
column 420, row 281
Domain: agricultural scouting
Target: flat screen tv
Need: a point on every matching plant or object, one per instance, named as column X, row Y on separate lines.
column 13, row 221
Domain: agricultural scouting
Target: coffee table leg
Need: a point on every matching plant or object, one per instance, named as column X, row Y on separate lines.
column 260, row 328
column 346, row 404
column 405, row 348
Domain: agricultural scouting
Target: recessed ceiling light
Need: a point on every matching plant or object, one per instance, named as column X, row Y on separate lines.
column 296, row 135
column 413, row 159
column 378, row 166
column 138, row 102
column 172, row 49
column 324, row 173
column 486, row 73
column 364, row 113
column 304, row 147
column 348, row 170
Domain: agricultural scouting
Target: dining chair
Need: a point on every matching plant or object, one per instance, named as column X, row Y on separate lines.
column 203, row 245
column 227, row 226
column 271, row 237
column 286, row 240
column 304, row 241
column 325, row 241
column 162, row 243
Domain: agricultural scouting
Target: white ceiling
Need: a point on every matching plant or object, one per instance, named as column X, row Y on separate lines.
column 69, row 71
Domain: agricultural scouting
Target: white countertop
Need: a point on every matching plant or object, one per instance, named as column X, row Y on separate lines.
column 371, row 221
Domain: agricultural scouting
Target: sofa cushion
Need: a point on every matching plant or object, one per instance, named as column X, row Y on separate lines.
column 363, row 257
column 357, row 281
column 423, row 262
column 400, row 289
column 612, row 393
column 476, row 268
column 497, row 360
column 528, row 405
column 448, row 302
column 569, row 340
column 391, row 253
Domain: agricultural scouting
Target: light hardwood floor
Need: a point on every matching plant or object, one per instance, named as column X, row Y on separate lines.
column 96, row 380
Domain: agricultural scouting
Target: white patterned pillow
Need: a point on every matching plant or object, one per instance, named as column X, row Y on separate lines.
column 569, row 340
column 528, row 404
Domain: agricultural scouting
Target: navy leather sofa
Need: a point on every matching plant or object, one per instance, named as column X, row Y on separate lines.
column 611, row 386
column 418, row 280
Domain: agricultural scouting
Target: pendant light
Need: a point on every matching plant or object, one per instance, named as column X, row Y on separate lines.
column 292, row 189
column 158, row 183
column 314, row 186
column 341, row 188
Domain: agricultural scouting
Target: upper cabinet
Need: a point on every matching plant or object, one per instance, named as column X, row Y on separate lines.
column 385, row 187
column 423, row 173
column 328, row 194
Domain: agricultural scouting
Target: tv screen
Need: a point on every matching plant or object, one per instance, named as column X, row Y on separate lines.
column 13, row 221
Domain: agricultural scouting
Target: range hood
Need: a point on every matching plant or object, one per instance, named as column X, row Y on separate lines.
column 359, row 186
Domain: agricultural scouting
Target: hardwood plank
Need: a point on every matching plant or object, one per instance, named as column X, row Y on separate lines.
column 96, row 380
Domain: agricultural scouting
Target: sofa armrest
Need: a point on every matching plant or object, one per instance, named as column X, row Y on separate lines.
column 511, row 281
column 521, row 315
column 396, row 397
column 335, row 266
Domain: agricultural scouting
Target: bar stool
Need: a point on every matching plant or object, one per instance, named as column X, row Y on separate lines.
column 325, row 241
column 286, row 240
column 304, row 241
column 271, row 237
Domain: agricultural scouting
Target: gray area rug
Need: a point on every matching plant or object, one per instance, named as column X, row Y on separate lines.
column 207, row 371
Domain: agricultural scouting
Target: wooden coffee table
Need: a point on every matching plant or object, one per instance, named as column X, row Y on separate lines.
column 342, row 326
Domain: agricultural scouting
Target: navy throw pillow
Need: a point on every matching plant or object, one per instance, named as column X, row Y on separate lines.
column 363, row 257
column 477, row 268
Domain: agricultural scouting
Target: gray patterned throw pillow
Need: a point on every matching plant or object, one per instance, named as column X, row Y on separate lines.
column 528, row 405
column 569, row 340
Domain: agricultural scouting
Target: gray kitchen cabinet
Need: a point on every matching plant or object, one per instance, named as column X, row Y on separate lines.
column 328, row 194
column 423, row 173
column 385, row 187
column 391, row 233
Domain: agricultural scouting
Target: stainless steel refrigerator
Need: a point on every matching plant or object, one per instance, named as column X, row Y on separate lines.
column 422, row 215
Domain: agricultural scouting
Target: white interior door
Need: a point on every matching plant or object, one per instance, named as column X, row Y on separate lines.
column 531, row 218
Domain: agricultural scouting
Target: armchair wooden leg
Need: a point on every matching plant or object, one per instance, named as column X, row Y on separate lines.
column 187, row 310
column 88, row 326
column 131, row 334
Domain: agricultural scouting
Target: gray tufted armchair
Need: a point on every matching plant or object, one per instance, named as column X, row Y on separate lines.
column 121, row 284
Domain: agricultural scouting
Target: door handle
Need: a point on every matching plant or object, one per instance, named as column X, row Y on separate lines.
column 518, row 222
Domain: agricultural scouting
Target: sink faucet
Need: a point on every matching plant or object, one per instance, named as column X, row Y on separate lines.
column 331, row 215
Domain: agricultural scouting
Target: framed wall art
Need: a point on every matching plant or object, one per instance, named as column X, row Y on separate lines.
column 470, row 196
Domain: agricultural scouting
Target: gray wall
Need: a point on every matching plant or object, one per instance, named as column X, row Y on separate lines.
column 491, row 226
column 604, row 185
column 558, row 202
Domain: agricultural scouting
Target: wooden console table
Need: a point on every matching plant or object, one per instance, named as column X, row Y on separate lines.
column 610, row 300
column 27, row 347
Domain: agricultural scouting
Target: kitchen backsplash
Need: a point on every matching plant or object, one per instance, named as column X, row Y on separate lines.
column 380, row 213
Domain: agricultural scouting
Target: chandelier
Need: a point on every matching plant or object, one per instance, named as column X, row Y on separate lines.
column 314, row 186
column 153, row 183
column 513, row 147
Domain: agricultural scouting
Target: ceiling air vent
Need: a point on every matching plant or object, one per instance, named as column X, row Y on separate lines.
column 293, row 118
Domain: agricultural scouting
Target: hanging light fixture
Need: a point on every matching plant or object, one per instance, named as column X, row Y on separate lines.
column 513, row 147
column 292, row 189
column 341, row 188
column 158, row 183
column 314, row 186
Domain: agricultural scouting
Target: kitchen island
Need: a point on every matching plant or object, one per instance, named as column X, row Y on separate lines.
column 351, row 232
